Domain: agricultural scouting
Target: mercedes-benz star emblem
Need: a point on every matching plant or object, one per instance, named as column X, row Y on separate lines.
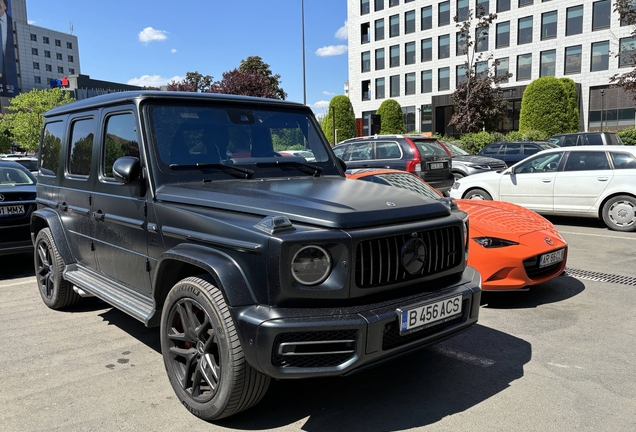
column 414, row 255
column 549, row 241
column 390, row 204
column 1, row 197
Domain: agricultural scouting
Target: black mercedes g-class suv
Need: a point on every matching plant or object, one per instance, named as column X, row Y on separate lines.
column 175, row 208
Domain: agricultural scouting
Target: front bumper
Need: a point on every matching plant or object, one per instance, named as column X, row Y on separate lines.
column 302, row 343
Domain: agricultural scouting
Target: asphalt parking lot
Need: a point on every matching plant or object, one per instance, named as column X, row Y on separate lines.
column 559, row 357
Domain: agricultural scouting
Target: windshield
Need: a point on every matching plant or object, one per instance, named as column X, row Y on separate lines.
column 193, row 139
column 10, row 176
column 455, row 150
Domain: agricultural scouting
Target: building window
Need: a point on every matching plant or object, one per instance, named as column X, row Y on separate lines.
column 460, row 44
column 394, row 86
column 34, row 37
column 379, row 59
column 524, row 67
column 548, row 25
column 443, row 47
column 525, row 2
column 427, row 81
column 574, row 20
column 427, row 49
column 60, row 70
column 394, row 25
column 548, row 62
column 626, row 52
column 394, row 56
column 38, row 80
column 366, row 90
column 71, row 71
column 49, row 68
column 394, row 3
column 573, row 60
column 409, row 53
column 443, row 78
column 426, row 118
column 58, row 56
column 364, row 33
column 69, row 45
column 70, row 58
column 409, row 22
column 408, row 115
column 36, row 65
column 47, row 54
column 481, row 67
column 501, row 68
column 45, row 39
column 481, row 39
column 366, row 61
column 485, row 6
column 503, row 5
column 409, row 83
column 379, row 88
column 502, row 39
column 58, row 43
column 443, row 14
column 34, row 51
column 462, row 10
column 378, row 5
column 379, row 29
column 460, row 75
column 364, row 7
column 524, row 32
column 601, row 12
column 427, row 18
column 600, row 56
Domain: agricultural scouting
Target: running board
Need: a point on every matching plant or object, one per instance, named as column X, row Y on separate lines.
column 123, row 298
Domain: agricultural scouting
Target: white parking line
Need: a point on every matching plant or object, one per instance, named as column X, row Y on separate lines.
column 465, row 357
column 597, row 235
column 23, row 282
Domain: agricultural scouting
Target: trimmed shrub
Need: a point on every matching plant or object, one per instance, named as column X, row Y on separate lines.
column 573, row 104
column 545, row 106
column 628, row 135
column 474, row 142
column 514, row 136
column 345, row 120
column 391, row 118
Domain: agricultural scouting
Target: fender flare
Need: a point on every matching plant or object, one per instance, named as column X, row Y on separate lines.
column 45, row 217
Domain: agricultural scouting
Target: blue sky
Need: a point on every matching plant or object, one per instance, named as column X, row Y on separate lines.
column 144, row 42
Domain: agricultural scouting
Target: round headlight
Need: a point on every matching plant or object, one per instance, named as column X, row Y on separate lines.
column 311, row 265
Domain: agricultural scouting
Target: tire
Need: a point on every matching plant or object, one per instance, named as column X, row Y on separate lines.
column 458, row 176
column 619, row 213
column 202, row 353
column 56, row 292
column 478, row 194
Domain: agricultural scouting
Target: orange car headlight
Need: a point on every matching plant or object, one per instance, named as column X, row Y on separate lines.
column 494, row 242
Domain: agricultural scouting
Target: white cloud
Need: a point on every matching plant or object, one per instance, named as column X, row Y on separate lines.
column 321, row 104
column 31, row 22
column 153, row 80
column 342, row 32
column 150, row 35
column 332, row 50
column 173, row 50
column 327, row 93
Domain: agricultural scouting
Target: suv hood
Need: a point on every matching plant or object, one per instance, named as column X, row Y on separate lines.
column 332, row 202
column 477, row 160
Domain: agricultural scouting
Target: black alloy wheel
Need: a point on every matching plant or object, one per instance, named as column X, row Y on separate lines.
column 56, row 292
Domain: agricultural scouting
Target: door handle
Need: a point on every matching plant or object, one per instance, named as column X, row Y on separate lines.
column 62, row 206
column 546, row 180
column 602, row 178
column 98, row 215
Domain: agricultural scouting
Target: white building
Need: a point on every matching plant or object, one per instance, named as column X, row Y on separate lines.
column 407, row 50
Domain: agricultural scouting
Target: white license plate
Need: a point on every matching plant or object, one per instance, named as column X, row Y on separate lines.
column 422, row 316
column 12, row 210
column 551, row 258
column 438, row 165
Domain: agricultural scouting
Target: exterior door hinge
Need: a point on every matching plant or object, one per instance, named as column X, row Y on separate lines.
column 92, row 246
column 147, row 265
column 145, row 209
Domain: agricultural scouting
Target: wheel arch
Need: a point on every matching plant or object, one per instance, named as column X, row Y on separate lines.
column 472, row 188
column 46, row 218
column 599, row 212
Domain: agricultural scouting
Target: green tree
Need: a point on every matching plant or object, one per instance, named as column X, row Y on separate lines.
column 478, row 103
column 340, row 107
column 255, row 64
column 193, row 82
column 25, row 120
column 391, row 117
column 544, row 107
column 6, row 139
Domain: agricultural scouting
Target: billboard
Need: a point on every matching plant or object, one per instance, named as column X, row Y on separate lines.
column 8, row 67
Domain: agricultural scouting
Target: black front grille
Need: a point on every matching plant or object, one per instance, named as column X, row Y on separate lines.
column 379, row 261
column 531, row 265
column 316, row 360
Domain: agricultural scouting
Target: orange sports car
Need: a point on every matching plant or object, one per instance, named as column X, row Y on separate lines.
column 513, row 248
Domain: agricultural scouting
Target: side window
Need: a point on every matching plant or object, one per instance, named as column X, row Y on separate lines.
column 81, row 148
column 543, row 163
column 569, row 140
column 339, row 151
column 120, row 140
column 51, row 148
column 387, row 150
column 586, row 161
column 594, row 139
column 530, row 150
column 359, row 151
column 491, row 150
column 513, row 149
column 623, row 160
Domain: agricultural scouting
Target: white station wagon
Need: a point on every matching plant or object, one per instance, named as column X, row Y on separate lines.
column 586, row 181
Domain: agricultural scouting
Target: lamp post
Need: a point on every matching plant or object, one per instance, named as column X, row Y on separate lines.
column 303, row 32
column 602, row 107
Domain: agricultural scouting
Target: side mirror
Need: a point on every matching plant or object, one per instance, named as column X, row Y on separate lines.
column 126, row 169
column 511, row 171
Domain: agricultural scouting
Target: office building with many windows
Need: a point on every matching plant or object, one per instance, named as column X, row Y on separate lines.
column 410, row 51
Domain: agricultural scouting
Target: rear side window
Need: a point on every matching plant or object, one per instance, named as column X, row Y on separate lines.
column 81, row 148
column 490, row 150
column 387, row 150
column 530, row 150
column 359, row 151
column 430, row 148
column 594, row 139
column 623, row 160
column 51, row 148
column 339, row 151
column 614, row 139
column 513, row 149
column 120, row 140
column 569, row 140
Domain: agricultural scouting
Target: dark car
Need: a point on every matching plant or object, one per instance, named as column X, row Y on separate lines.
column 465, row 164
column 514, row 151
column 174, row 208
column 17, row 202
column 586, row 138
column 419, row 154
column 29, row 163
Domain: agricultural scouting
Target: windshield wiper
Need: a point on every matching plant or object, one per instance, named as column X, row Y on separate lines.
column 232, row 170
column 314, row 170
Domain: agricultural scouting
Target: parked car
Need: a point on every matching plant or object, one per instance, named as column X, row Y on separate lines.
column 514, row 151
column 465, row 164
column 586, row 138
column 29, row 163
column 512, row 248
column 17, row 202
column 419, row 154
column 585, row 181
column 254, row 266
